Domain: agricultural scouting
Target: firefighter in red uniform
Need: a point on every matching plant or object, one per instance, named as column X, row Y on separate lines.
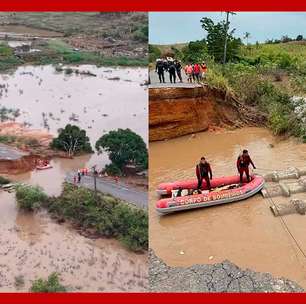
column 243, row 162
column 203, row 171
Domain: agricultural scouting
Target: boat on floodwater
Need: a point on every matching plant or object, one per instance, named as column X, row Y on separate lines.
column 225, row 189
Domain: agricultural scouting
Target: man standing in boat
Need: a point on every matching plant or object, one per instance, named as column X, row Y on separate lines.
column 203, row 171
column 243, row 162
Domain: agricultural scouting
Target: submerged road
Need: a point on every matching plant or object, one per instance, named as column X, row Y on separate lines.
column 154, row 81
column 9, row 153
column 118, row 190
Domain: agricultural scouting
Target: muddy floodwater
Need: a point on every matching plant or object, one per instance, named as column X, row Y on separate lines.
column 245, row 232
column 32, row 245
column 28, row 31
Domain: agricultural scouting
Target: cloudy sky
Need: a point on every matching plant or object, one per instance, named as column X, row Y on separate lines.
column 169, row 28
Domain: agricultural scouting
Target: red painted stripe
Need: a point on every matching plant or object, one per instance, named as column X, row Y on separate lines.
column 156, row 5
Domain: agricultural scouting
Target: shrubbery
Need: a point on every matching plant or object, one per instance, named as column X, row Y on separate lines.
column 123, row 147
column 113, row 170
column 52, row 284
column 30, row 197
column 105, row 214
column 4, row 181
column 101, row 213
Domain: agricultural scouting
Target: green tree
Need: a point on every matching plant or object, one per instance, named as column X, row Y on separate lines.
column 246, row 36
column 73, row 140
column 123, row 146
column 154, row 53
column 195, row 51
column 299, row 38
column 216, row 35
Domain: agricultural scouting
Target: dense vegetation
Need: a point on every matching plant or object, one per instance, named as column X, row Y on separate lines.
column 72, row 140
column 99, row 213
column 30, row 197
column 19, row 141
column 57, row 51
column 270, row 77
column 52, row 284
column 123, row 147
column 8, row 113
column 80, row 38
column 127, row 26
column 4, row 180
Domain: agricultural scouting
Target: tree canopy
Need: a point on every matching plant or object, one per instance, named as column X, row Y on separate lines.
column 73, row 140
column 195, row 51
column 216, row 35
column 123, row 146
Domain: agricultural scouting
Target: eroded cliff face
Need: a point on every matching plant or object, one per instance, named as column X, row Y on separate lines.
column 179, row 111
column 21, row 165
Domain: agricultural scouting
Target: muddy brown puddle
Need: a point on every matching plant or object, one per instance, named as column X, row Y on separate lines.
column 245, row 232
column 32, row 245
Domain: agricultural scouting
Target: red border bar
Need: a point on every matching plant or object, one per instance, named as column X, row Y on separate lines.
column 152, row 5
column 156, row 298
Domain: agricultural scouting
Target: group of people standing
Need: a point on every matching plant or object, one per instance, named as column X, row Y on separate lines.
column 204, row 171
column 170, row 65
column 81, row 172
column 194, row 72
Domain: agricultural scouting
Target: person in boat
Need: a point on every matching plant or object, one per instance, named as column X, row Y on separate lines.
column 203, row 171
column 243, row 162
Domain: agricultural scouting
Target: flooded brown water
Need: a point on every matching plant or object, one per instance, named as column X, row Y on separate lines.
column 32, row 245
column 245, row 232
column 96, row 104
column 21, row 30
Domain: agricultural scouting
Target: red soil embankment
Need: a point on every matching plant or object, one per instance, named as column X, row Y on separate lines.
column 23, row 164
column 179, row 111
column 25, row 156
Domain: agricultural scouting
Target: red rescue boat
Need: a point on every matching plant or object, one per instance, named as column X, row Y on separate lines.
column 224, row 190
column 39, row 167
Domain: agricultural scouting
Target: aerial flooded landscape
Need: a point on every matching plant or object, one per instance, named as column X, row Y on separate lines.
column 74, row 206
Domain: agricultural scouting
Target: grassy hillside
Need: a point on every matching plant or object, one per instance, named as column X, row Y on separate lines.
column 269, row 77
column 77, row 38
column 123, row 26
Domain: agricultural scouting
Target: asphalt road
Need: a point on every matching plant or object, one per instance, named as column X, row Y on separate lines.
column 219, row 277
column 154, row 81
column 118, row 190
column 9, row 153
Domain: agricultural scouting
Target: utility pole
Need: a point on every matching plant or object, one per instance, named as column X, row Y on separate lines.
column 225, row 38
column 226, row 34
column 95, row 179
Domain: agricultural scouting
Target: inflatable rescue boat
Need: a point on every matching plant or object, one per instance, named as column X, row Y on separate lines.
column 180, row 194
column 39, row 167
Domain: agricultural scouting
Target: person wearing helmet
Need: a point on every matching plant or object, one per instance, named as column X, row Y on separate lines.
column 243, row 162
